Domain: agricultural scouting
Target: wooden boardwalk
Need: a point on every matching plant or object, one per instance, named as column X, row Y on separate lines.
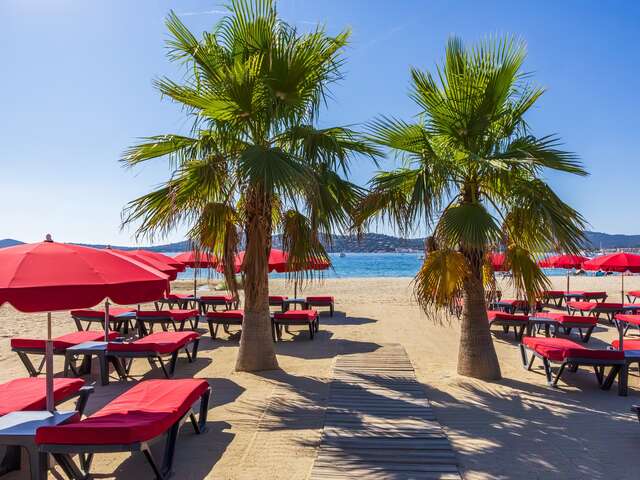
column 379, row 423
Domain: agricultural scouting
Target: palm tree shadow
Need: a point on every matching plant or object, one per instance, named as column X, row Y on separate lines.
column 534, row 428
column 322, row 346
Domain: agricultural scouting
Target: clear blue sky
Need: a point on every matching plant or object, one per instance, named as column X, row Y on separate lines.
column 75, row 90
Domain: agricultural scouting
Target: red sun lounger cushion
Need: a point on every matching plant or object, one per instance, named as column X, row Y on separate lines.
column 159, row 342
column 235, row 314
column 494, row 315
column 308, row 315
column 589, row 306
column 178, row 296
column 175, row 314
column 564, row 318
column 143, row 412
column 594, row 294
column 63, row 342
column 634, row 293
column 553, row 293
column 278, row 298
column 320, row 299
column 216, row 298
column 31, row 393
column 632, row 319
column 627, row 344
column 560, row 349
column 113, row 312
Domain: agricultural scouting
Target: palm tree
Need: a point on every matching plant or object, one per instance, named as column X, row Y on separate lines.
column 472, row 174
column 255, row 163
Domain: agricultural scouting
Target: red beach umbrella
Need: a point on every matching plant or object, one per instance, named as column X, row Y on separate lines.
column 48, row 276
column 161, row 257
column 196, row 260
column 615, row 262
column 566, row 262
column 498, row 262
column 279, row 262
column 168, row 270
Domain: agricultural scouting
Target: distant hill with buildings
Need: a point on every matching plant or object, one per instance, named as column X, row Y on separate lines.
column 376, row 242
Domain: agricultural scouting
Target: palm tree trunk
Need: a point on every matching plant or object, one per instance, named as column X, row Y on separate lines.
column 477, row 356
column 256, row 343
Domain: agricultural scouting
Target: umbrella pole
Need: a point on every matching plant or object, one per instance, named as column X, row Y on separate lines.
column 49, row 365
column 106, row 320
column 195, row 276
column 622, row 289
column 568, row 281
column 295, row 288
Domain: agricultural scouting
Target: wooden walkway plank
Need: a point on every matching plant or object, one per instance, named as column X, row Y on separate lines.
column 379, row 423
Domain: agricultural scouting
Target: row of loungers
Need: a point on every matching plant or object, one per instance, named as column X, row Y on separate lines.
column 150, row 410
column 206, row 303
column 155, row 347
column 553, row 323
column 568, row 354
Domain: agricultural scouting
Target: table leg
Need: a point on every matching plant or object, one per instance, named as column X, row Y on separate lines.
column 104, row 368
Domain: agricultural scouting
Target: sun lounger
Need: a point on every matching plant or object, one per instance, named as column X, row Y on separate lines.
column 553, row 297
column 277, row 301
column 214, row 301
column 180, row 300
column 633, row 295
column 508, row 320
column 146, row 320
column 321, row 301
column 155, row 347
column 513, row 306
column 97, row 316
column 129, row 423
column 566, row 323
column 28, row 346
column 30, row 394
column 224, row 318
column 580, row 295
column 595, row 309
column 571, row 354
column 626, row 321
column 295, row 317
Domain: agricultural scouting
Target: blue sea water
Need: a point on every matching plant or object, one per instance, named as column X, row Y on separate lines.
column 358, row 265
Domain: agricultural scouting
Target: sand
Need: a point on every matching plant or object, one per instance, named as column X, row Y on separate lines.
column 268, row 425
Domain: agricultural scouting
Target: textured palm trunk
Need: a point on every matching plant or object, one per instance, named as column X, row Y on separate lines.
column 477, row 356
column 256, row 342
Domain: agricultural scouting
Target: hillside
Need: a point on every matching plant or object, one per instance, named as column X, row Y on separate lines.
column 376, row 242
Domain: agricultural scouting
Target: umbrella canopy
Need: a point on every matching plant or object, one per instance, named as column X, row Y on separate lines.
column 567, row 262
column 563, row 261
column 498, row 262
column 168, row 270
column 161, row 257
column 47, row 276
column 195, row 259
column 278, row 262
column 614, row 262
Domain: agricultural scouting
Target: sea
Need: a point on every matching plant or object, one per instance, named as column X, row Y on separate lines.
column 362, row 265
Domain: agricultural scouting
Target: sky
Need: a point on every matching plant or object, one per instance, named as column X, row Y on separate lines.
column 76, row 90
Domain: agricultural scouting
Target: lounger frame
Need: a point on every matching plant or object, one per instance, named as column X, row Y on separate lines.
column 115, row 323
column 320, row 303
column 164, row 320
column 215, row 322
column 277, row 324
column 519, row 326
column 618, row 368
column 62, row 453
column 204, row 305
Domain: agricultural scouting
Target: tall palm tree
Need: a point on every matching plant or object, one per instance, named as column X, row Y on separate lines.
column 472, row 174
column 255, row 163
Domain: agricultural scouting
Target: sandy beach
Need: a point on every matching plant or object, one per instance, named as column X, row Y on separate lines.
column 268, row 426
